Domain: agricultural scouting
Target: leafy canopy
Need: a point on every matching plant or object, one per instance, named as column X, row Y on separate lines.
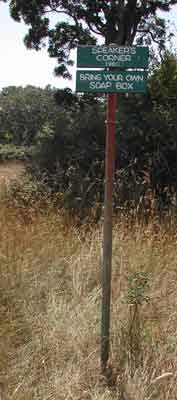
column 24, row 111
column 84, row 21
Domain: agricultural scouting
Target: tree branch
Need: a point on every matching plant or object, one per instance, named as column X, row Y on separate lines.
column 147, row 31
column 93, row 30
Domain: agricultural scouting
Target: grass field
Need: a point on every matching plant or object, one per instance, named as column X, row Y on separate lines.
column 50, row 311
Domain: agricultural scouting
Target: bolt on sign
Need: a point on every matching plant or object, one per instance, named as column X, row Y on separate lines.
column 111, row 81
column 112, row 56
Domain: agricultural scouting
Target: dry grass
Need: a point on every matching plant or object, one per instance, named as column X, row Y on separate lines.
column 50, row 311
column 9, row 171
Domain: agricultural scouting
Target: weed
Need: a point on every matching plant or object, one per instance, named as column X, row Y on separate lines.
column 138, row 283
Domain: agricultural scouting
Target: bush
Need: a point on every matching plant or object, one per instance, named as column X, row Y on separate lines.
column 29, row 196
column 70, row 151
column 69, row 157
column 12, row 152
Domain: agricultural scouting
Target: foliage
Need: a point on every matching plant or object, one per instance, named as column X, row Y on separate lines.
column 70, row 156
column 69, row 151
column 148, row 137
column 23, row 111
column 69, row 145
column 138, row 283
column 12, row 152
column 82, row 22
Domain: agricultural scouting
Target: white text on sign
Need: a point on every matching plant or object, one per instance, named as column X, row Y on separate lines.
column 122, row 82
column 109, row 81
column 110, row 56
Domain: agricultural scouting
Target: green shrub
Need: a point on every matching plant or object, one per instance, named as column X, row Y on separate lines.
column 12, row 152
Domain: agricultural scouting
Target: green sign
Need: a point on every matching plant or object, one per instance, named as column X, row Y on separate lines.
column 111, row 81
column 112, row 56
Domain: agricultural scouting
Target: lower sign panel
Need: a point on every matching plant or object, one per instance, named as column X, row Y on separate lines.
column 111, row 81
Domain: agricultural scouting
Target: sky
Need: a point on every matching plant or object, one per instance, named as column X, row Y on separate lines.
column 21, row 67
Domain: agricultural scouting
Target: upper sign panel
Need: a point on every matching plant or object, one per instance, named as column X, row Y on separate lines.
column 112, row 56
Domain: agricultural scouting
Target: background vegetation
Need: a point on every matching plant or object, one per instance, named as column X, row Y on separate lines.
column 62, row 135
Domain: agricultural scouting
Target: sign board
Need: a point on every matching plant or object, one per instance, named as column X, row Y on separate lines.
column 111, row 81
column 112, row 56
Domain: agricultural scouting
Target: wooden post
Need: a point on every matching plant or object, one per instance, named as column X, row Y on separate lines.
column 107, row 230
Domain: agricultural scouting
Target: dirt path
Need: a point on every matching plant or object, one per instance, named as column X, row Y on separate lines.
column 10, row 170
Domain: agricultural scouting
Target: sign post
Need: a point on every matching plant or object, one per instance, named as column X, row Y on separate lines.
column 119, row 77
column 107, row 230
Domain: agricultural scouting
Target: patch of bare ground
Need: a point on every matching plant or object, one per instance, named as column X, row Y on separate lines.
column 10, row 170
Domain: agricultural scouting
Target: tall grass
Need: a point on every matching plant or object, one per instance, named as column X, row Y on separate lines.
column 50, row 311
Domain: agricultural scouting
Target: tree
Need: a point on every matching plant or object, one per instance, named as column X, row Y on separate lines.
column 24, row 111
column 83, row 21
column 147, row 136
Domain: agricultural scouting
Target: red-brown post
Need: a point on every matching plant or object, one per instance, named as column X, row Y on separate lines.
column 107, row 230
